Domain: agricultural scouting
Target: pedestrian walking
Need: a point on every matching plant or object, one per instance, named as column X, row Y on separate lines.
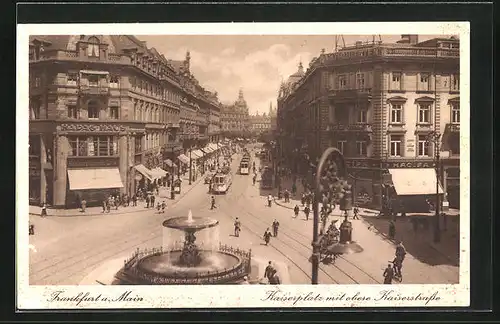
column 269, row 200
column 269, row 270
column 31, row 229
column 128, row 200
column 147, row 201
column 388, row 275
column 307, row 211
column 254, row 178
column 158, row 207
column 303, row 199
column 43, row 212
column 355, row 212
column 108, row 207
column 104, row 206
column 296, row 210
column 267, row 236
column 276, row 226
column 134, row 200
column 287, row 196
column 237, row 227
column 163, row 206
column 83, row 204
column 152, row 201
column 213, row 203
column 392, row 229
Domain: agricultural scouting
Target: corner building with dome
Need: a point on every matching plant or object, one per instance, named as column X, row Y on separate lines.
column 378, row 103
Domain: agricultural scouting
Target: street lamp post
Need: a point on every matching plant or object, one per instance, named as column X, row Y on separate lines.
column 435, row 138
column 190, row 164
column 324, row 185
column 172, row 188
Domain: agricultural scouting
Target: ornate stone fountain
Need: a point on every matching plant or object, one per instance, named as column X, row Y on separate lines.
column 186, row 261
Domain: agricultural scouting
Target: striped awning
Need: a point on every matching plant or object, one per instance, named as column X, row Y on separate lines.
column 170, row 164
column 184, row 159
column 141, row 168
column 196, row 154
column 158, row 173
column 207, row 149
column 213, row 146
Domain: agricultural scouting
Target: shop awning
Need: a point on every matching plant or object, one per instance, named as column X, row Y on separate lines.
column 158, row 173
column 184, row 159
column 170, row 164
column 196, row 154
column 213, row 146
column 414, row 181
column 207, row 149
column 99, row 178
column 144, row 171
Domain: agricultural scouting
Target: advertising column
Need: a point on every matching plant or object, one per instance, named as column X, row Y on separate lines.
column 61, row 171
column 123, row 153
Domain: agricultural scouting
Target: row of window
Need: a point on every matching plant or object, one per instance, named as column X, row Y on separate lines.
column 153, row 112
column 93, row 145
column 396, row 146
column 424, row 113
column 157, row 90
column 423, row 82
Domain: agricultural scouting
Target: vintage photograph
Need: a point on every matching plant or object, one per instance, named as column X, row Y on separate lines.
column 298, row 159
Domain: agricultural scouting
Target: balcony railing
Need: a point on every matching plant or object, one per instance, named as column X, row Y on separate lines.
column 357, row 127
column 389, row 51
column 94, row 89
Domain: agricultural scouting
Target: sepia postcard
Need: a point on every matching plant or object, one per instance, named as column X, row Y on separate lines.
column 214, row 165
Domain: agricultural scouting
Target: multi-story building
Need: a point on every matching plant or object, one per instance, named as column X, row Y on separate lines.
column 104, row 113
column 263, row 123
column 377, row 103
column 260, row 123
column 235, row 119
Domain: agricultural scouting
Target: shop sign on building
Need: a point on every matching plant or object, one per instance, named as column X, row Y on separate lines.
column 371, row 164
column 93, row 162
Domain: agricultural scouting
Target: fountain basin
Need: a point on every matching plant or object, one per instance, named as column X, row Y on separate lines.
column 165, row 264
column 192, row 223
column 225, row 266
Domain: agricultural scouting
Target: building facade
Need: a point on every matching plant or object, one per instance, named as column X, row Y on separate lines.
column 260, row 123
column 100, row 107
column 235, row 119
column 377, row 103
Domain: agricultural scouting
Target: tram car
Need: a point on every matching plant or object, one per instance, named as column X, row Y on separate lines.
column 221, row 182
column 245, row 166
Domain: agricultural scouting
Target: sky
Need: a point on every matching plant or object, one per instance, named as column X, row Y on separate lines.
column 255, row 64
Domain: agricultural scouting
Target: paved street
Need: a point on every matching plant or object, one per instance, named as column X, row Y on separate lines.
column 68, row 249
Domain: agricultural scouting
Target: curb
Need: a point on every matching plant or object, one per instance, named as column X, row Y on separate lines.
column 194, row 184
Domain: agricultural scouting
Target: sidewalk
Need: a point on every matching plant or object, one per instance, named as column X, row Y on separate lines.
column 93, row 211
column 447, row 248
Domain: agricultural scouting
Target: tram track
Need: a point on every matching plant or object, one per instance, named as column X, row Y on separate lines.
column 70, row 262
column 369, row 278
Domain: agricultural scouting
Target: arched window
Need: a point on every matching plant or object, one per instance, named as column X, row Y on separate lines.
column 93, row 109
column 93, row 47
